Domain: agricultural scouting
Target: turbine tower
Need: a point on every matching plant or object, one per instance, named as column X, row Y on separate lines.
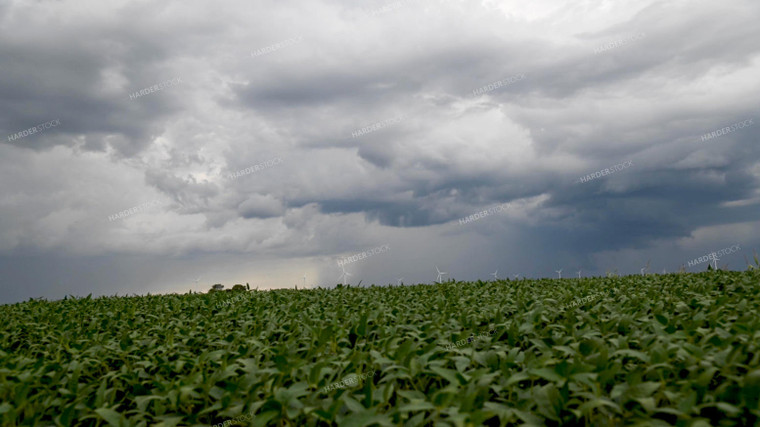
column 440, row 274
column 344, row 275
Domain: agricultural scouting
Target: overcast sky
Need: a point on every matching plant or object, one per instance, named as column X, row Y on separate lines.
column 584, row 86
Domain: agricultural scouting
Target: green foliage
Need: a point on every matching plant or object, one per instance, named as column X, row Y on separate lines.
column 678, row 349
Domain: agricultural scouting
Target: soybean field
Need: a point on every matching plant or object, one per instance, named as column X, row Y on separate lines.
column 675, row 349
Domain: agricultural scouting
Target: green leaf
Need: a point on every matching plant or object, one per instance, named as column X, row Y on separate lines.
column 143, row 401
column 113, row 418
column 452, row 376
column 632, row 353
column 352, row 404
column 416, row 406
column 548, row 401
column 547, row 374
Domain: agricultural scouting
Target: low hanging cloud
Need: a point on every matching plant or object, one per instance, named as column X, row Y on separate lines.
column 389, row 121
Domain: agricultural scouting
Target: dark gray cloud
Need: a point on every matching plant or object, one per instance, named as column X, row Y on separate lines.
column 381, row 140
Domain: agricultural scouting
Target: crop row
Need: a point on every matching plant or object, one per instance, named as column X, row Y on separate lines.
column 678, row 349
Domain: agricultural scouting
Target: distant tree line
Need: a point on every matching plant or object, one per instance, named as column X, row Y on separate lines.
column 238, row 287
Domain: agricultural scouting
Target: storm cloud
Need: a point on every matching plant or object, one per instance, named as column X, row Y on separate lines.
column 391, row 121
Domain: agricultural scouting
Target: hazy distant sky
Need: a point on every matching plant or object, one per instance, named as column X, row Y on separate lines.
column 587, row 84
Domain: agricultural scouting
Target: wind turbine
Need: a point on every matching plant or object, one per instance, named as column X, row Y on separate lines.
column 495, row 275
column 644, row 269
column 559, row 272
column 579, row 274
column 344, row 275
column 516, row 276
column 197, row 280
column 399, row 281
column 715, row 260
column 440, row 274
column 304, row 280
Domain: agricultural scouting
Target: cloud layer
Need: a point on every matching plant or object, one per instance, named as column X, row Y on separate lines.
column 391, row 121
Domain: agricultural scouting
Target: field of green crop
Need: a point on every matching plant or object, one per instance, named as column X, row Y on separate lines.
column 677, row 349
